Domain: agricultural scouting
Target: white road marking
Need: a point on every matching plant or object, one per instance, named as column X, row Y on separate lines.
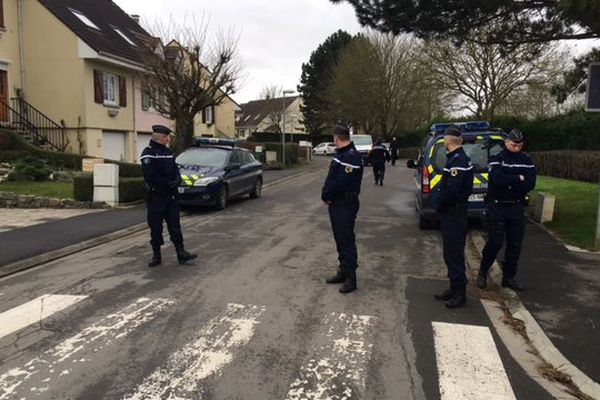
column 34, row 311
column 75, row 351
column 338, row 369
column 469, row 366
column 213, row 349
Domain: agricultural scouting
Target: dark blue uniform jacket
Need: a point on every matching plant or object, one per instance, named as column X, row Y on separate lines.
column 457, row 181
column 345, row 174
column 504, row 182
column 160, row 170
column 379, row 155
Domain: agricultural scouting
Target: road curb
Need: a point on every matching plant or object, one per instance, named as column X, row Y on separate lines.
column 54, row 255
column 540, row 342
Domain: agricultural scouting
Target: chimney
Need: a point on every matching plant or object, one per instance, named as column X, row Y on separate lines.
column 135, row 17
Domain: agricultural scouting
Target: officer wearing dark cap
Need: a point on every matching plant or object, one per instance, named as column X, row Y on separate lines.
column 340, row 192
column 455, row 188
column 512, row 177
column 162, row 178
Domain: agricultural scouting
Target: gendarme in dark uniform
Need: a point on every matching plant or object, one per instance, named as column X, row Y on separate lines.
column 340, row 192
column 512, row 177
column 162, row 178
column 455, row 188
column 378, row 156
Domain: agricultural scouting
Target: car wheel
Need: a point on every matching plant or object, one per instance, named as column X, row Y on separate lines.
column 222, row 198
column 257, row 191
column 425, row 223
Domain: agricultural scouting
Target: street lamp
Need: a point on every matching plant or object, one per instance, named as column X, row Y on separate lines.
column 283, row 127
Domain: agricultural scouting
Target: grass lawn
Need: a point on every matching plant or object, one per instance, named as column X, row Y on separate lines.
column 576, row 210
column 61, row 190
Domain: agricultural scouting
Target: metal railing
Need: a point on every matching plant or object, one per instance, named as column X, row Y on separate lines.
column 34, row 125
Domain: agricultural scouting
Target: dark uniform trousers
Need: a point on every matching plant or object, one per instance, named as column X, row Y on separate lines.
column 342, row 213
column 163, row 208
column 379, row 171
column 454, row 223
column 504, row 220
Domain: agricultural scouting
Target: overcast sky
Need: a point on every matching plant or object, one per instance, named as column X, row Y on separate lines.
column 276, row 36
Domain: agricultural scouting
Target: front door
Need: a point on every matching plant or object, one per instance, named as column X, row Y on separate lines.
column 3, row 96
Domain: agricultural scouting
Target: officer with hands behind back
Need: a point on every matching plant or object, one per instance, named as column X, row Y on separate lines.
column 512, row 177
column 455, row 188
column 162, row 178
column 340, row 192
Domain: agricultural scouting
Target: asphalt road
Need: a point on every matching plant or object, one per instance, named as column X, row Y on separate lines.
column 252, row 319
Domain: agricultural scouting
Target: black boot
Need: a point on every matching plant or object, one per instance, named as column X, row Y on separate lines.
column 349, row 283
column 482, row 280
column 337, row 278
column 156, row 258
column 445, row 295
column 512, row 283
column 459, row 298
column 183, row 256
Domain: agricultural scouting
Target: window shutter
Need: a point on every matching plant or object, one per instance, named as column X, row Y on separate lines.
column 2, row 13
column 98, row 87
column 204, row 115
column 122, row 92
column 214, row 116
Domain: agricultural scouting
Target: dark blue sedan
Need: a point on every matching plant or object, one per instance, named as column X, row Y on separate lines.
column 213, row 171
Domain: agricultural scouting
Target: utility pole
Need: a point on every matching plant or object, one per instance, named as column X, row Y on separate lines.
column 283, row 127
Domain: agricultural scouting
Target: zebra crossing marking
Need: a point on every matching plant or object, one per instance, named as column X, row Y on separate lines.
column 212, row 350
column 34, row 311
column 338, row 368
column 469, row 365
column 72, row 352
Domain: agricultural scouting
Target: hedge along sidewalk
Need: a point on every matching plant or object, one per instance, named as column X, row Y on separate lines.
column 576, row 210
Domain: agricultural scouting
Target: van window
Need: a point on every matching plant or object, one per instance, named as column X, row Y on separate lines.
column 362, row 140
column 479, row 151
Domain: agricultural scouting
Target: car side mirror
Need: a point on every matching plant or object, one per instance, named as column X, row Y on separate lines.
column 412, row 164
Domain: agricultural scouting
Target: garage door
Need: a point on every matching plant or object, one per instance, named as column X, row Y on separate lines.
column 142, row 142
column 113, row 146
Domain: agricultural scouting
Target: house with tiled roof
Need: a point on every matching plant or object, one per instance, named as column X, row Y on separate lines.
column 78, row 62
column 266, row 115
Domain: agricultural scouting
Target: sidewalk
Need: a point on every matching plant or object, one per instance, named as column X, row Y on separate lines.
column 24, row 243
column 562, row 292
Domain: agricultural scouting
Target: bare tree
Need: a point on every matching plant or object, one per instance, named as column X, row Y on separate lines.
column 186, row 72
column 379, row 85
column 481, row 78
column 271, row 92
column 275, row 117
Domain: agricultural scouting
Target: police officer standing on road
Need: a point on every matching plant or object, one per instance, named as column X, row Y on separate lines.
column 340, row 192
column 379, row 155
column 162, row 178
column 455, row 188
column 512, row 176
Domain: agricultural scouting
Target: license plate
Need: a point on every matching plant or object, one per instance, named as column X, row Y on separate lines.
column 476, row 197
column 181, row 190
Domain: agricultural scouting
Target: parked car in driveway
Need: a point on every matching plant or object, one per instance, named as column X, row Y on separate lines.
column 213, row 171
column 324, row 149
column 480, row 142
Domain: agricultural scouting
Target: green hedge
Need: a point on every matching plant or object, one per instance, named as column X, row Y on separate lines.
column 574, row 165
column 128, row 170
column 291, row 152
column 264, row 137
column 83, row 187
column 130, row 189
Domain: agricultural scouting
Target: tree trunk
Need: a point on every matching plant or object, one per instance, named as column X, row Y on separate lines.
column 184, row 132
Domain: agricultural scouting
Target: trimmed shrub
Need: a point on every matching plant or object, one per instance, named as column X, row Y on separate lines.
column 83, row 187
column 128, row 170
column 291, row 152
column 131, row 189
column 30, row 169
column 575, row 165
column 264, row 137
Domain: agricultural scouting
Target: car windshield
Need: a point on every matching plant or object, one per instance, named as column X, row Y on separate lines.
column 479, row 151
column 362, row 140
column 204, row 157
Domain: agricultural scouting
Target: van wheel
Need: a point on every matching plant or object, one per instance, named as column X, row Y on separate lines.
column 222, row 198
column 424, row 223
column 257, row 191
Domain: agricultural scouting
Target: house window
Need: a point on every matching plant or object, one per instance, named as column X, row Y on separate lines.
column 208, row 116
column 124, row 36
column 109, row 85
column 146, row 100
column 88, row 22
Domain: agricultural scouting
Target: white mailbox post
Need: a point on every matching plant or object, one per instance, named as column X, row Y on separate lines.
column 106, row 184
